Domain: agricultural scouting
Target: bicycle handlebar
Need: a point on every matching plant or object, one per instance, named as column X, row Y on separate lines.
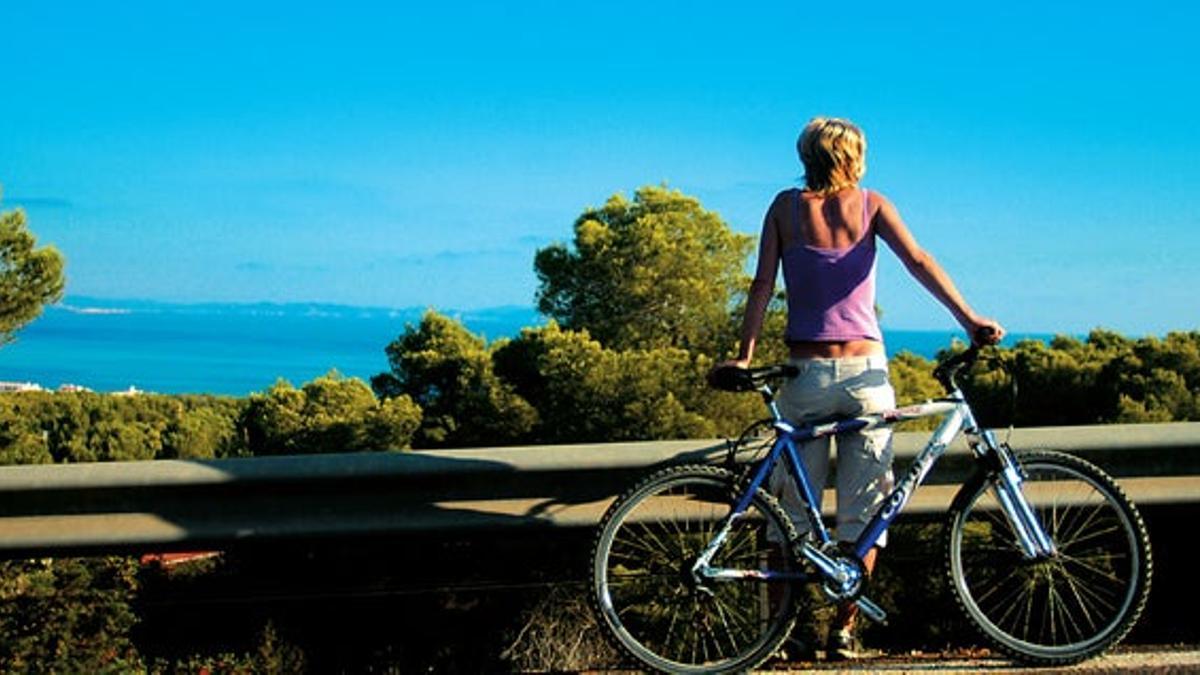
column 946, row 372
column 732, row 378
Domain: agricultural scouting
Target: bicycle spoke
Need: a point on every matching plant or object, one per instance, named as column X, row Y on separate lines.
column 1096, row 570
column 1077, row 594
column 728, row 630
column 997, row 584
column 1091, row 535
column 647, row 544
column 740, row 618
column 1087, row 519
column 1091, row 597
column 1010, row 611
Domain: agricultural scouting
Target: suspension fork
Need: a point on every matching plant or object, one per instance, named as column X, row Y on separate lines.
column 1009, row 477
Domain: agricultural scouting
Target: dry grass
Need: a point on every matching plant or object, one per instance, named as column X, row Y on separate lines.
column 560, row 633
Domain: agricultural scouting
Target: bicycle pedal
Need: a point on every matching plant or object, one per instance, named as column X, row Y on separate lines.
column 872, row 611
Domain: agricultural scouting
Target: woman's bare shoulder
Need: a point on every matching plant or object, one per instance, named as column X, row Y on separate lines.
column 879, row 205
column 780, row 204
column 785, row 196
column 875, row 198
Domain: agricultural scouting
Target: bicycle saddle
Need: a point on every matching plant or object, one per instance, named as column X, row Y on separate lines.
column 732, row 378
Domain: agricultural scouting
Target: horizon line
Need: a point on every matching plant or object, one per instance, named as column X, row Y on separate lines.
column 85, row 305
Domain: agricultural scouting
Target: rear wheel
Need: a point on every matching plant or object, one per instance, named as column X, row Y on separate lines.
column 653, row 606
column 1067, row 607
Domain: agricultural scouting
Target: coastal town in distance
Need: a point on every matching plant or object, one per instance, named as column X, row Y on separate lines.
column 10, row 387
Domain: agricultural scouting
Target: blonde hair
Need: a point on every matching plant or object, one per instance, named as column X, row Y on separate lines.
column 834, row 153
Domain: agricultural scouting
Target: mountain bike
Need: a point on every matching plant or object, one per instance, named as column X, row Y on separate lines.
column 695, row 569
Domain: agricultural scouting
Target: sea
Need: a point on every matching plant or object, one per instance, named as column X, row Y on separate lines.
column 238, row 349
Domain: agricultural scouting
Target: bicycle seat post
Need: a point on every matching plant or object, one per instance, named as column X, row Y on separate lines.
column 768, row 397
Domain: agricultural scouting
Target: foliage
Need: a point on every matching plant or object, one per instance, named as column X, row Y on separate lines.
column 329, row 414
column 200, row 433
column 68, row 615
column 272, row 656
column 585, row 392
column 552, row 385
column 645, row 301
column 448, row 371
column 43, row 427
column 771, row 347
column 912, row 378
column 1105, row 378
column 657, row 271
column 30, row 277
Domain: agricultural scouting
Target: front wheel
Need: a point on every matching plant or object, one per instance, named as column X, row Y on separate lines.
column 1069, row 606
column 655, row 608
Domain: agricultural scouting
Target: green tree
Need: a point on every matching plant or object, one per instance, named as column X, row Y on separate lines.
column 448, row 371
column 30, row 277
column 1153, row 380
column 89, row 427
column 22, row 441
column 1105, row 378
column 657, row 271
column 585, row 392
column 329, row 414
column 199, row 433
column 68, row 615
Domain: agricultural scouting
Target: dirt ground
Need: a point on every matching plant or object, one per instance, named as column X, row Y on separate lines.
column 1135, row 659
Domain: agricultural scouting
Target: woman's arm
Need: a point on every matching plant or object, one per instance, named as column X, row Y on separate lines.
column 926, row 270
column 761, row 289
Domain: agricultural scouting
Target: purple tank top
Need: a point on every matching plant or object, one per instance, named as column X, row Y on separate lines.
column 831, row 291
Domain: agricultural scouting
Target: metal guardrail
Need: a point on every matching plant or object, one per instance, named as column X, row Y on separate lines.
column 152, row 505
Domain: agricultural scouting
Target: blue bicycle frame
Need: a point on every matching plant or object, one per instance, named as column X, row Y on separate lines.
column 844, row 580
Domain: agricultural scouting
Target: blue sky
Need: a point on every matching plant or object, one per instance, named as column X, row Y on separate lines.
column 381, row 154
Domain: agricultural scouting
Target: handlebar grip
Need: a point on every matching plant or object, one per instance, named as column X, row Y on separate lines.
column 731, row 378
column 986, row 335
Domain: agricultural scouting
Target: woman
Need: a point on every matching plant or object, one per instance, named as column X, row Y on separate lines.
column 824, row 236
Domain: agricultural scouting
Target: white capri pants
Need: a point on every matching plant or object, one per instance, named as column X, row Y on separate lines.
column 843, row 387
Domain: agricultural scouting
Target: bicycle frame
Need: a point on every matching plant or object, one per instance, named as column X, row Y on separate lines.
column 847, row 578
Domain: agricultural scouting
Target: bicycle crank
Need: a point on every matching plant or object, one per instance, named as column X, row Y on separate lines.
column 871, row 610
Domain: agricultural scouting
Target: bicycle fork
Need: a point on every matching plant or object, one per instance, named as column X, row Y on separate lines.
column 1035, row 541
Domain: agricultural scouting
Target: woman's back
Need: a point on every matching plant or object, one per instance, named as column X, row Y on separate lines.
column 831, row 222
column 829, row 267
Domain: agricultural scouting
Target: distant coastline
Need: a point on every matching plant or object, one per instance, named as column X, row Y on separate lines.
column 94, row 310
column 236, row 349
column 90, row 305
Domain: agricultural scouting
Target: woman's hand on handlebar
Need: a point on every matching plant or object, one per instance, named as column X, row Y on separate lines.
column 733, row 363
column 984, row 331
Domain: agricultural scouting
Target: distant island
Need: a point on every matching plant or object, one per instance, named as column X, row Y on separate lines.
column 515, row 316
